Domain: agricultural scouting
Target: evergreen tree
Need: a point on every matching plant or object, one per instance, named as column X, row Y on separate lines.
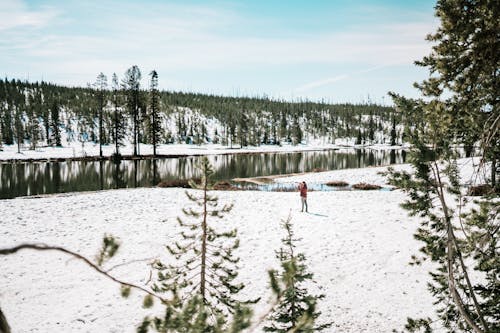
column 193, row 316
column 206, row 266
column 465, row 66
column 46, row 117
column 243, row 128
column 131, row 84
column 460, row 237
column 118, row 121
column 101, row 85
column 33, row 126
column 393, row 130
column 7, row 132
column 55, row 124
column 359, row 138
column 297, row 131
column 371, row 129
column 296, row 311
column 154, row 111
column 451, row 236
column 19, row 128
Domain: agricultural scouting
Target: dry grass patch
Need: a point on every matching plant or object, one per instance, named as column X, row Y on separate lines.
column 337, row 183
column 184, row 183
column 483, row 189
column 366, row 187
column 225, row 185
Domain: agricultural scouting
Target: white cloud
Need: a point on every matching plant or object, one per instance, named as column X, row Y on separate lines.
column 330, row 80
column 15, row 14
column 190, row 38
column 194, row 49
column 320, row 83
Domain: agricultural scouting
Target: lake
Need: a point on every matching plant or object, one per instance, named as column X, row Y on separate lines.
column 35, row 178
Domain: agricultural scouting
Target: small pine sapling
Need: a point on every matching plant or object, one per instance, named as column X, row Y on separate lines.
column 205, row 267
column 296, row 310
column 192, row 315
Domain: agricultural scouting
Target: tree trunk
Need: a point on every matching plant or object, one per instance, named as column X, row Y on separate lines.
column 154, row 130
column 493, row 173
column 101, row 102
column 204, row 243
column 452, row 248
column 116, row 131
column 4, row 325
column 135, row 122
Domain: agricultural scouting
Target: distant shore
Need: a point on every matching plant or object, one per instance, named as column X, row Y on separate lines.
column 74, row 152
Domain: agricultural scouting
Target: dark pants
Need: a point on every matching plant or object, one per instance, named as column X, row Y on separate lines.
column 304, row 203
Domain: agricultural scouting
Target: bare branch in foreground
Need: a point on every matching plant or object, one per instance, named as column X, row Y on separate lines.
column 44, row 247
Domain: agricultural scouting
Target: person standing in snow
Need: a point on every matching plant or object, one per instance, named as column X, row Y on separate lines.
column 303, row 195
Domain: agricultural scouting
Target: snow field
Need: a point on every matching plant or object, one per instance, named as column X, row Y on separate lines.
column 357, row 245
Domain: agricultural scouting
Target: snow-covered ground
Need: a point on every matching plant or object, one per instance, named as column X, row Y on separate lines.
column 75, row 149
column 357, row 243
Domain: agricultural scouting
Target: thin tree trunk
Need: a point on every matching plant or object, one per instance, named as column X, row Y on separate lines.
column 154, row 114
column 204, row 242
column 493, row 172
column 452, row 246
column 451, row 285
column 100, row 124
column 292, row 258
column 116, row 130
column 135, row 122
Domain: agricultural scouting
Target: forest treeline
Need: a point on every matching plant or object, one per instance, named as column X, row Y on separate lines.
column 42, row 114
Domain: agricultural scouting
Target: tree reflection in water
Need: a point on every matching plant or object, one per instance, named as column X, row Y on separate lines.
column 21, row 179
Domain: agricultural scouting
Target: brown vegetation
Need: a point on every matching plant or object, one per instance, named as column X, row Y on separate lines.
column 184, row 183
column 479, row 190
column 225, row 185
column 365, row 186
column 337, row 183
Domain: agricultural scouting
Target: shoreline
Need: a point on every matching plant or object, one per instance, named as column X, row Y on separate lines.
column 64, row 154
column 178, row 151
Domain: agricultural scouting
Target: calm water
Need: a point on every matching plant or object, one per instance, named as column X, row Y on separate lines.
column 24, row 179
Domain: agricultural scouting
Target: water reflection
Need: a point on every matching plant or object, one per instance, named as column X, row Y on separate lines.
column 21, row 179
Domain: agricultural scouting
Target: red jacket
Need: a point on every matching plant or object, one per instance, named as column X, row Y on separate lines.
column 303, row 190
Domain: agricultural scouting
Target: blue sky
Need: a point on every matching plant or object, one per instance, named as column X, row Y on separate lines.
column 337, row 50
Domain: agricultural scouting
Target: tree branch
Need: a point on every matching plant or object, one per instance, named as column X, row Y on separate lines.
column 44, row 247
column 453, row 245
column 128, row 263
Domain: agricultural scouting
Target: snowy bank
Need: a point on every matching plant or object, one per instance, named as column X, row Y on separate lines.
column 75, row 150
column 358, row 245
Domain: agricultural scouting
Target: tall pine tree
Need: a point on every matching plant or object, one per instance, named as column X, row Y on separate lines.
column 465, row 66
column 55, row 124
column 154, row 111
column 101, row 85
column 460, row 107
column 118, row 119
column 131, row 84
column 205, row 265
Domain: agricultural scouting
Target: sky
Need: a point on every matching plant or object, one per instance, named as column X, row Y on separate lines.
column 335, row 50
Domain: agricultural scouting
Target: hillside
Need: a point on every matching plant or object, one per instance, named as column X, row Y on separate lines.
column 42, row 114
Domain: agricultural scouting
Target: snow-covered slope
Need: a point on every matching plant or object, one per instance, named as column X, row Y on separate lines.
column 358, row 245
